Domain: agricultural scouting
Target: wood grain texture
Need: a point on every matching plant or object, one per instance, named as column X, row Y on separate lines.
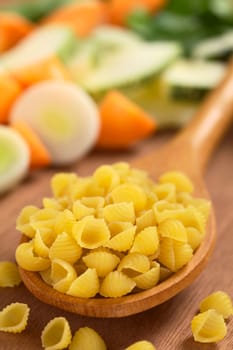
column 168, row 325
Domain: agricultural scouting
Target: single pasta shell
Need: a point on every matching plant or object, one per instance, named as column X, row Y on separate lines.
column 141, row 345
column 66, row 248
column 87, row 339
column 119, row 212
column 122, row 241
column 23, row 221
column 146, row 242
column 27, row 260
column 129, row 192
column 145, row 220
column 80, row 210
column 14, row 318
column 9, row 274
column 173, row 229
column 86, row 285
column 208, row 327
column 219, row 301
column 148, row 279
column 62, row 183
column 116, row 284
column 166, row 192
column 134, row 263
column 64, row 222
column 62, row 275
column 195, row 237
column 40, row 248
column 107, row 177
column 179, row 179
column 103, row 262
column 56, row 335
column 116, row 227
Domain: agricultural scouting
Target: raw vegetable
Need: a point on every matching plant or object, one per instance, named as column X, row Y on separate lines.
column 40, row 45
column 123, row 123
column 12, row 29
column 82, row 17
column 14, row 158
column 9, row 91
column 191, row 80
column 62, row 115
column 39, row 155
column 121, row 9
column 48, row 69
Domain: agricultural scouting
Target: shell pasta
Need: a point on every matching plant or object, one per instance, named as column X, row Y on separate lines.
column 112, row 233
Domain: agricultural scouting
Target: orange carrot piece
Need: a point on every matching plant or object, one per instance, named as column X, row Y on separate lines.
column 120, row 9
column 50, row 69
column 13, row 28
column 40, row 156
column 123, row 122
column 9, row 91
column 81, row 17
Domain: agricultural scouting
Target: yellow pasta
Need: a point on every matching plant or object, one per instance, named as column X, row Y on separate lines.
column 148, row 279
column 91, row 232
column 62, row 183
column 104, row 262
column 40, row 247
column 80, row 188
column 56, row 335
column 26, row 258
column 96, row 202
column 23, row 221
column 14, row 318
column 87, row 339
column 122, row 241
column 116, row 284
column 64, row 222
column 166, row 192
column 62, row 275
column 80, row 210
column 146, row 242
column 122, row 169
column 86, row 285
column 145, row 219
column 164, row 210
column 208, row 327
column 107, row 177
column 46, row 276
column 9, row 274
column 141, row 345
column 116, row 227
column 119, row 212
column 179, row 179
column 164, row 273
column 134, row 264
column 66, row 248
column 173, row 229
column 132, row 193
column 219, row 301
column 195, row 237
column 43, row 218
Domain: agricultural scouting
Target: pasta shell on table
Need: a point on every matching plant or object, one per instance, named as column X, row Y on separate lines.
column 195, row 237
column 88, row 339
column 66, row 248
column 174, row 254
column 64, row 222
column 23, row 221
column 173, row 229
column 9, row 274
column 91, row 232
column 208, row 327
column 148, row 279
column 219, row 301
column 141, row 345
column 80, row 210
column 132, row 193
column 146, row 242
column 179, row 179
column 56, row 335
column 146, row 219
column 134, row 264
column 107, row 177
column 166, row 192
column 62, row 184
column 122, row 241
column 62, row 275
column 103, row 262
column 123, row 211
column 14, row 318
column 86, row 285
column 116, row 284
column 26, row 258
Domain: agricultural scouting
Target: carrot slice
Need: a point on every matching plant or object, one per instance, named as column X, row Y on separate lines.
column 123, row 122
column 13, row 28
column 9, row 91
column 49, row 69
column 81, row 17
column 120, row 9
column 39, row 155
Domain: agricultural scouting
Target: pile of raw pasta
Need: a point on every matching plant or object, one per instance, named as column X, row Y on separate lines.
column 112, row 233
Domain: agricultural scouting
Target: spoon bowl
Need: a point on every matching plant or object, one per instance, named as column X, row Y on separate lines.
column 188, row 152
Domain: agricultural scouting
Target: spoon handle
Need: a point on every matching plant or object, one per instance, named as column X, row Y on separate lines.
column 210, row 122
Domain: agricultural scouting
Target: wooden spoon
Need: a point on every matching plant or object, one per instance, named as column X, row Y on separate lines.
column 188, row 152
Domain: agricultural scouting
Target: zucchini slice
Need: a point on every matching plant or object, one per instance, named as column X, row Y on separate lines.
column 191, row 80
column 14, row 158
column 220, row 47
column 43, row 43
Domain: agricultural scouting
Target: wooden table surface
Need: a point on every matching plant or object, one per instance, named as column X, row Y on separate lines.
column 166, row 326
